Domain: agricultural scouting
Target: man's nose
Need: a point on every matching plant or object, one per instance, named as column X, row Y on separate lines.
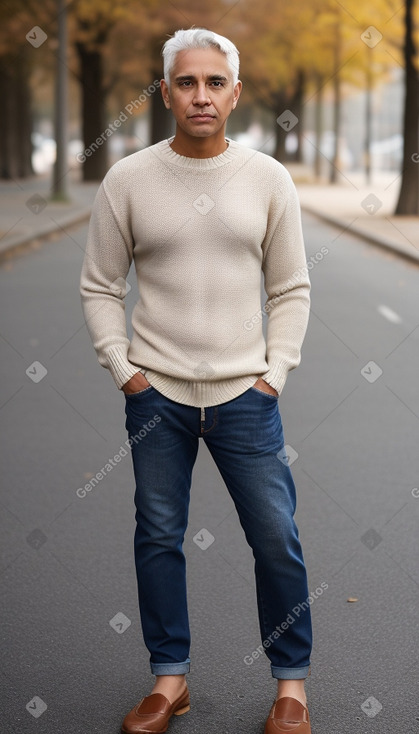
column 201, row 94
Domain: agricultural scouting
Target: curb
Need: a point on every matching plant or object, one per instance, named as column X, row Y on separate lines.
column 19, row 243
column 387, row 245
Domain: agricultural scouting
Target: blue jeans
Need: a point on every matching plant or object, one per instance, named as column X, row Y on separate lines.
column 244, row 436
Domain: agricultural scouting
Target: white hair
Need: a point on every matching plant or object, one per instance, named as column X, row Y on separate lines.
column 199, row 38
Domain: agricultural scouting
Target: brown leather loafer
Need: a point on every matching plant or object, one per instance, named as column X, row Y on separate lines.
column 288, row 715
column 152, row 714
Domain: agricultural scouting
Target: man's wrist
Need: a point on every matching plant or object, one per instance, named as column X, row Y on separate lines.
column 264, row 386
column 136, row 383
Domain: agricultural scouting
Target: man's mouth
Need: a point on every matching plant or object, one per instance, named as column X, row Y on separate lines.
column 202, row 116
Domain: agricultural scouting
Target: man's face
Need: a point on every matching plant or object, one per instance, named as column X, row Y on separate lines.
column 202, row 93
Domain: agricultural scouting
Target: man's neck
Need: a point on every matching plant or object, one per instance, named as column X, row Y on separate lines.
column 199, row 147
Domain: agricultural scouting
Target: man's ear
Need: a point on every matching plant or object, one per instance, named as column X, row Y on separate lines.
column 165, row 93
column 236, row 93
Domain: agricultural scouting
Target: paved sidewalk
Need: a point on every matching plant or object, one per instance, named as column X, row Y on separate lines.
column 28, row 214
column 366, row 210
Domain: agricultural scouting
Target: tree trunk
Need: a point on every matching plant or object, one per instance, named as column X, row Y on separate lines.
column 94, row 124
column 297, row 106
column 60, row 172
column 408, row 204
column 319, row 128
column 279, row 152
column 162, row 124
column 368, row 122
column 334, row 168
column 8, row 153
column 16, row 118
column 280, row 105
column 24, row 122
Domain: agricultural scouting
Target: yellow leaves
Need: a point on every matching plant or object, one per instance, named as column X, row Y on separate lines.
column 91, row 10
column 319, row 37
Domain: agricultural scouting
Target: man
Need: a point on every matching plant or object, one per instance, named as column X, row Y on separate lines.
column 202, row 217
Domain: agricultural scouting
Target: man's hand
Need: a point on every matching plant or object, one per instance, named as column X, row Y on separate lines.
column 137, row 383
column 260, row 384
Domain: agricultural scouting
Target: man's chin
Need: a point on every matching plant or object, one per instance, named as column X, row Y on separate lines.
column 205, row 130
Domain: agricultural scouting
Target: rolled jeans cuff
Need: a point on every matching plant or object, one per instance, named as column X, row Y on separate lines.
column 170, row 668
column 290, row 673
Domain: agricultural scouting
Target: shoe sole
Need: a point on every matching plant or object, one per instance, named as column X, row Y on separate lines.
column 179, row 712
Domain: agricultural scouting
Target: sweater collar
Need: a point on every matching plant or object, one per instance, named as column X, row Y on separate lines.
column 169, row 155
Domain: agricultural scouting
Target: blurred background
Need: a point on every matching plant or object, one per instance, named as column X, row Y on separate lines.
column 78, row 81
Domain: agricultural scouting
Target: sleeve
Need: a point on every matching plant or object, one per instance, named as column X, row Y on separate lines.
column 287, row 285
column 107, row 260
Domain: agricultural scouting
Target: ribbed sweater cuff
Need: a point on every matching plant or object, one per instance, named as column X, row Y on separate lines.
column 276, row 376
column 120, row 368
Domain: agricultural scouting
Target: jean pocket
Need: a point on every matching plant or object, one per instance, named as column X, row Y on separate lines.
column 266, row 394
column 140, row 393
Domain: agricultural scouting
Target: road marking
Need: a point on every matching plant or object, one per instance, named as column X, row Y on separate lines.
column 389, row 314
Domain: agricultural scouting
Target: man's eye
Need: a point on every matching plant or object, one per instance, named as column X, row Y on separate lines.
column 217, row 83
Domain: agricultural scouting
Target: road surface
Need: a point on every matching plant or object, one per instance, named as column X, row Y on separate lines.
column 73, row 659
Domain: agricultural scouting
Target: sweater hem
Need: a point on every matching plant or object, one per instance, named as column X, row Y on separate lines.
column 199, row 394
column 276, row 376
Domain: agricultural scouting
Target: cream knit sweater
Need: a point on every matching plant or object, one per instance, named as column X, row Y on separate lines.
column 200, row 232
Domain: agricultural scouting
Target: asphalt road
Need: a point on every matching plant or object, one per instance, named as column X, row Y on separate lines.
column 73, row 660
